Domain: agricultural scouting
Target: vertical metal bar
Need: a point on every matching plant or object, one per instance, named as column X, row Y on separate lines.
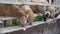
column 38, row 9
column 54, row 2
column 50, row 2
column 4, row 23
column 10, row 22
column 59, row 2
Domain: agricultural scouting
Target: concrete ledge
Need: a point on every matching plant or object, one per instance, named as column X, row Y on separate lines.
column 16, row 28
column 36, row 28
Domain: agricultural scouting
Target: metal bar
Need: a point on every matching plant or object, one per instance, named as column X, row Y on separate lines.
column 6, row 18
column 28, row 3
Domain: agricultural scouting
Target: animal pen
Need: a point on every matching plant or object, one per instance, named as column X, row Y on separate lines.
column 50, row 26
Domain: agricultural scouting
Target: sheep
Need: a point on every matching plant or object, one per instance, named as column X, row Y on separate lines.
column 52, row 11
column 21, row 13
column 29, row 13
column 40, row 8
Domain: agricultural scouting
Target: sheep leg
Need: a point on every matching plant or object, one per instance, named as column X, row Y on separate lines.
column 30, row 19
column 23, row 20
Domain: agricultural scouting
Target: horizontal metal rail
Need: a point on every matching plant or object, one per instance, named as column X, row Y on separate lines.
column 27, row 3
column 6, row 18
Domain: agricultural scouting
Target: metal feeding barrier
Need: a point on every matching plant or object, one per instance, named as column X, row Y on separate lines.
column 27, row 3
column 20, row 3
